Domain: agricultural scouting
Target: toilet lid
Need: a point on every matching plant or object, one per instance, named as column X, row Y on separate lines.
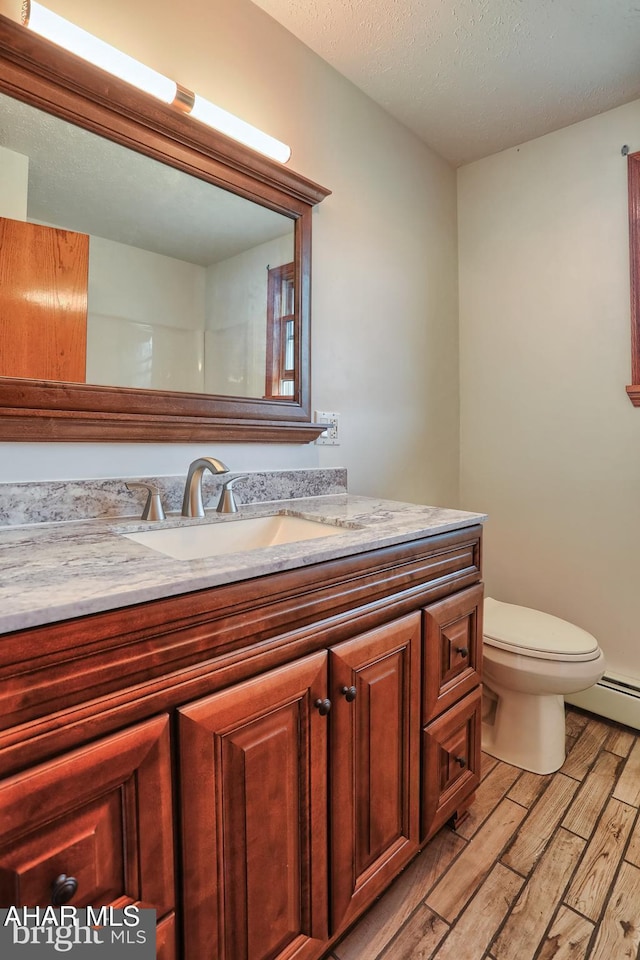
column 532, row 633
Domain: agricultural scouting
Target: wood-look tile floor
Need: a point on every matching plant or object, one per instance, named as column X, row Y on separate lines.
column 544, row 866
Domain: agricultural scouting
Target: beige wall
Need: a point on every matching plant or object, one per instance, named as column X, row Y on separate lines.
column 384, row 260
column 550, row 444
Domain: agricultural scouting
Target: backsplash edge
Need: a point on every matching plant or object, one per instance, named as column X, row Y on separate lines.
column 57, row 501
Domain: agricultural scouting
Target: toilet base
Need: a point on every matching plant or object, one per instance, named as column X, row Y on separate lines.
column 525, row 730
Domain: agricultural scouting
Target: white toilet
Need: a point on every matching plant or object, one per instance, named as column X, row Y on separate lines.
column 531, row 660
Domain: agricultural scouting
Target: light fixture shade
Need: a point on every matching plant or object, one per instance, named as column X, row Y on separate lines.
column 103, row 55
column 240, row 130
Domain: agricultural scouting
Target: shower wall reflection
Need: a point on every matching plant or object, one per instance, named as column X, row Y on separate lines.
column 164, row 324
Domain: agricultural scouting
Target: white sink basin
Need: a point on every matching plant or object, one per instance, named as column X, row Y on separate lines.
column 195, row 541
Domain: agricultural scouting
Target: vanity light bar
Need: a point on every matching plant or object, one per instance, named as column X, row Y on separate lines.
column 238, row 129
column 76, row 40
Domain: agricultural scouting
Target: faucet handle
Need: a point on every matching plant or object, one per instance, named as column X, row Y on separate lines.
column 153, row 509
column 227, row 502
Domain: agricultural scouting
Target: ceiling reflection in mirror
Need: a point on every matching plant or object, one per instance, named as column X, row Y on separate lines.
column 180, row 293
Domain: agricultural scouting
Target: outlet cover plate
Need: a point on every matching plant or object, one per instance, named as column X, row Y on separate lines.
column 331, row 436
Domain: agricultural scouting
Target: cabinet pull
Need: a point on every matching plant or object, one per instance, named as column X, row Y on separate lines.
column 323, row 706
column 63, row 889
column 461, row 761
column 349, row 693
column 462, row 651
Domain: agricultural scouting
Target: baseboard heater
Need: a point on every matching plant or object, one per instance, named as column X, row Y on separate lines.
column 614, row 697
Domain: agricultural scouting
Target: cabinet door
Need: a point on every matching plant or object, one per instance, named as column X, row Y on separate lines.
column 166, row 938
column 375, row 743
column 451, row 762
column 100, row 815
column 254, row 803
column 452, row 649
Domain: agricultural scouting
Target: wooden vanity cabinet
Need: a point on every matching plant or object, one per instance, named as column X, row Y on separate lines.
column 291, row 723
column 263, row 800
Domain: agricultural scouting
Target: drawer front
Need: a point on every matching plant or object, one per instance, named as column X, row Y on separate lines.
column 100, row 815
column 450, row 762
column 452, row 650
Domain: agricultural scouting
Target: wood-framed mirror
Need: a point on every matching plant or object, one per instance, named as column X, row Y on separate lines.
column 38, row 76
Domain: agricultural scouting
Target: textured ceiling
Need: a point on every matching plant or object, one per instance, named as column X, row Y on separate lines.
column 472, row 77
column 82, row 182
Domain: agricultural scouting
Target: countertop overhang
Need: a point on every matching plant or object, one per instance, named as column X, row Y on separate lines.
column 51, row 572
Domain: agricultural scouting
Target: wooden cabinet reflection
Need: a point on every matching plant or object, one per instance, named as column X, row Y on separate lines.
column 43, row 302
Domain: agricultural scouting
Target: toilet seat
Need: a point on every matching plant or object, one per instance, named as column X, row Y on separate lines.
column 532, row 633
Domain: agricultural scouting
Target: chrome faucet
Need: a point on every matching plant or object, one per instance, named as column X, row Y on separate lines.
column 192, row 502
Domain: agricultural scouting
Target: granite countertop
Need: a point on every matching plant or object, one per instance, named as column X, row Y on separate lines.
column 55, row 571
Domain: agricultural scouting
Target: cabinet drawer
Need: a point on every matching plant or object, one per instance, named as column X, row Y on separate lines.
column 452, row 649
column 450, row 761
column 100, row 815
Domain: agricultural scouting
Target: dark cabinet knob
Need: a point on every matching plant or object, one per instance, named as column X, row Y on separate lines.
column 462, row 651
column 461, row 761
column 63, row 889
column 323, row 706
column 349, row 693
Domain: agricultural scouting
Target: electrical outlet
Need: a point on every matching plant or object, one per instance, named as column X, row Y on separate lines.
column 331, row 436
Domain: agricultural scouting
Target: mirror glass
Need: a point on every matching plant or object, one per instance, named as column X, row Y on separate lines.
column 188, row 287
